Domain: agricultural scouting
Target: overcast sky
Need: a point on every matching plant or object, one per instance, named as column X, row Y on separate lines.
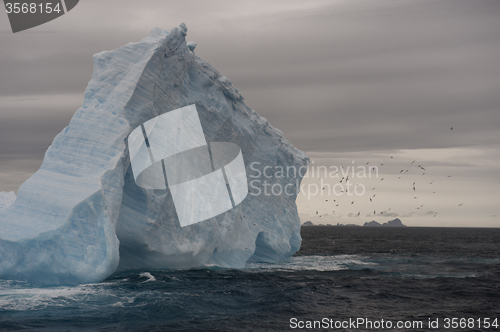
column 347, row 81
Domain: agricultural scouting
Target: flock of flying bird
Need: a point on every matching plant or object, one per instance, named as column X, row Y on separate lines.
column 401, row 172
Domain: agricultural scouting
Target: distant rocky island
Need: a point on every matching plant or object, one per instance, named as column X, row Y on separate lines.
column 391, row 223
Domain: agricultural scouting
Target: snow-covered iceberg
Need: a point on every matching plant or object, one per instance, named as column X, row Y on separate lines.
column 7, row 199
column 81, row 216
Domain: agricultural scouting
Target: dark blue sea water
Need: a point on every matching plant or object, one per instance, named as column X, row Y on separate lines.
column 400, row 274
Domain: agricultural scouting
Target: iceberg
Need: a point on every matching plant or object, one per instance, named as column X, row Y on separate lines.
column 7, row 199
column 82, row 216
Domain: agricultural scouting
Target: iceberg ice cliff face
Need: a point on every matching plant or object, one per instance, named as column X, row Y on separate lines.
column 81, row 216
column 7, row 199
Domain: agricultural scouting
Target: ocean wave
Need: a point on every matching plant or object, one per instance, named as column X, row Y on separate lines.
column 314, row 263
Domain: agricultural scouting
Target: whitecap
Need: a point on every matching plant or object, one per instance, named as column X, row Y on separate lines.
column 147, row 275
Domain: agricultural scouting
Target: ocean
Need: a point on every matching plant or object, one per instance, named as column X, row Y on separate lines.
column 410, row 278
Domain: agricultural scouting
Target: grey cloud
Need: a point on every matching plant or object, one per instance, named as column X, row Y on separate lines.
column 333, row 76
